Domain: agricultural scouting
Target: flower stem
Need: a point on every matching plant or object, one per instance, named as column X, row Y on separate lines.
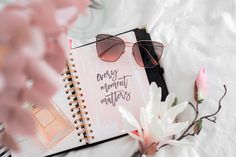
column 195, row 121
column 208, row 117
column 219, row 107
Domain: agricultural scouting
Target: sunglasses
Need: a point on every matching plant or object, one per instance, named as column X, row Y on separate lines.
column 146, row 53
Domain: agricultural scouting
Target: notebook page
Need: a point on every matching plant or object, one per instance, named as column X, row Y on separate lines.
column 102, row 101
column 32, row 147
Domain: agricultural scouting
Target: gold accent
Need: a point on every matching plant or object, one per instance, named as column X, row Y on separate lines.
column 79, row 113
column 73, row 89
column 71, row 65
column 69, row 77
column 88, row 137
column 68, row 84
column 75, row 95
column 67, row 72
column 83, row 125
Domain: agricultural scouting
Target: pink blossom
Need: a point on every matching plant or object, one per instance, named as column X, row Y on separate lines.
column 200, row 86
column 33, row 43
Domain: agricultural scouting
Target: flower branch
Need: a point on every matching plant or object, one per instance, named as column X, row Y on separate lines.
column 208, row 117
column 219, row 107
column 195, row 121
column 159, row 124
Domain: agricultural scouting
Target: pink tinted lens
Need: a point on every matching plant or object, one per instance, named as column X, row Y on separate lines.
column 109, row 48
column 147, row 53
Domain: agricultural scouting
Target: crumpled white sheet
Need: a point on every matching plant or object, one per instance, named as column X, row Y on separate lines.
column 195, row 33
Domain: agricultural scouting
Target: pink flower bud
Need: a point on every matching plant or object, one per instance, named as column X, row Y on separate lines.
column 200, row 86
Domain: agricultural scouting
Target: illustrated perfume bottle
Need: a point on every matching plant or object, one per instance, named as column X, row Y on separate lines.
column 52, row 125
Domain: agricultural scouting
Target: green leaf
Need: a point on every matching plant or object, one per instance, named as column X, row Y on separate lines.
column 198, row 127
column 175, row 102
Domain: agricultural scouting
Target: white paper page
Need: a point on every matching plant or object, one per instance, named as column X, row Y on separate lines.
column 105, row 118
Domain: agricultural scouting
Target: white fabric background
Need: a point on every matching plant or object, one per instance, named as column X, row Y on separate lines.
column 195, row 33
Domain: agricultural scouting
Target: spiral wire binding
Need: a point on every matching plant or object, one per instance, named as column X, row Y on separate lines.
column 77, row 103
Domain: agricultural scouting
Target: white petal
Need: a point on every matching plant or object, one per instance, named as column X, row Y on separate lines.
column 171, row 114
column 170, row 100
column 143, row 118
column 144, row 121
column 135, row 137
column 156, row 129
column 162, row 108
column 165, row 105
column 155, row 92
column 130, row 119
column 154, row 100
column 176, row 128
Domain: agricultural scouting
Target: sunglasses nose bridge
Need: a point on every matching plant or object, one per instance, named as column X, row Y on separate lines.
column 128, row 44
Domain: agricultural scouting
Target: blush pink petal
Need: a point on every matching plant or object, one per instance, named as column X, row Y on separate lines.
column 17, row 81
column 55, row 55
column 9, row 142
column 20, row 122
column 10, row 34
column 80, row 4
column 44, row 17
column 70, row 43
column 35, row 97
column 66, row 16
column 68, row 10
column 7, row 103
column 201, row 84
column 83, row 4
column 2, row 83
column 14, row 75
column 46, row 80
column 36, row 47
column 32, row 48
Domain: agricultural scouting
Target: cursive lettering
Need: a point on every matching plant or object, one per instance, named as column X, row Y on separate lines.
column 121, row 82
column 114, row 97
column 115, row 87
column 112, row 74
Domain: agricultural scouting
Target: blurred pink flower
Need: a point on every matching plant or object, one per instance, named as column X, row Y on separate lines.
column 33, row 42
column 200, row 86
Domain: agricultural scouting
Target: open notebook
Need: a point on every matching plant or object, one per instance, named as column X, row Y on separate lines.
column 89, row 99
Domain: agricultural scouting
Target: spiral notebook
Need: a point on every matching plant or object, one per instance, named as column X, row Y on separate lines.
column 89, row 99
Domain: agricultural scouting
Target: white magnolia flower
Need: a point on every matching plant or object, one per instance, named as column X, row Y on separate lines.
column 157, row 121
